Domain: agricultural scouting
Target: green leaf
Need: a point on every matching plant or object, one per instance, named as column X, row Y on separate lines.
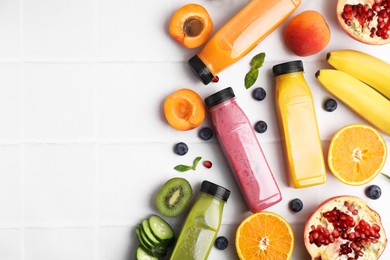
column 386, row 175
column 251, row 77
column 183, row 168
column 258, row 60
column 196, row 161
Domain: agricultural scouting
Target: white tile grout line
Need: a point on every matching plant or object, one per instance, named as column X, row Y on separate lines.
column 96, row 134
column 21, row 137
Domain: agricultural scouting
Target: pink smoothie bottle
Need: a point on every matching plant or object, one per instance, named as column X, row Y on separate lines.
column 243, row 151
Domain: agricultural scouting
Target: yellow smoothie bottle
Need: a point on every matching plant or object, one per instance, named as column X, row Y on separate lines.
column 298, row 126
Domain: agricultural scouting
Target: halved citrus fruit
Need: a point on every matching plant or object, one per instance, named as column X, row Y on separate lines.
column 357, row 153
column 264, row 235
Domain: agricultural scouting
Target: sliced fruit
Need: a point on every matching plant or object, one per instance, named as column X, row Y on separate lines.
column 365, row 20
column 191, row 25
column 141, row 254
column 357, row 153
column 264, row 235
column 160, row 228
column 344, row 227
column 173, row 197
column 184, row 109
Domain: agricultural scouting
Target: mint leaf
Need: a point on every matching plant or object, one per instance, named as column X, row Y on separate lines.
column 183, row 168
column 196, row 161
column 258, row 60
column 387, row 176
column 251, row 77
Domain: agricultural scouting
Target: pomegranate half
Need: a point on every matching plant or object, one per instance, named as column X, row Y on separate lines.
column 367, row 21
column 344, row 227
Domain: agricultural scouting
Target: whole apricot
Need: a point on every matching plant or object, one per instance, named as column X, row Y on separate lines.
column 307, row 33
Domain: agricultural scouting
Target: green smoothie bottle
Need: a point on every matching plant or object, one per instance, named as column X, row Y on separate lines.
column 201, row 226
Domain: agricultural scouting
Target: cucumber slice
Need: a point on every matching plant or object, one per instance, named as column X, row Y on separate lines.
column 141, row 254
column 159, row 250
column 160, row 228
column 148, row 233
column 144, row 242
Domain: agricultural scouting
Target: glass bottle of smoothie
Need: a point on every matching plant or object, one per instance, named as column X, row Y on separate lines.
column 202, row 223
column 298, row 126
column 243, row 151
column 240, row 35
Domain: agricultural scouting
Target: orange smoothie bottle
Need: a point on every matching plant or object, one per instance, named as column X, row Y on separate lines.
column 240, row 35
column 298, row 126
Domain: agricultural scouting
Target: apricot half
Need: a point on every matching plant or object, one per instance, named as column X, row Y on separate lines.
column 191, row 25
column 184, row 109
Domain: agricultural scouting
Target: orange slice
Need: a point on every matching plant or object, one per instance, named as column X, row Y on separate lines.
column 357, row 153
column 264, row 235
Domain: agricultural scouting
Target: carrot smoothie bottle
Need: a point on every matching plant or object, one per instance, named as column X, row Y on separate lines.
column 240, row 35
column 243, row 152
column 298, row 126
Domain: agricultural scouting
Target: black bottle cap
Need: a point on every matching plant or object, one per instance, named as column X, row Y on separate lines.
column 200, row 70
column 215, row 190
column 219, row 97
column 287, row 67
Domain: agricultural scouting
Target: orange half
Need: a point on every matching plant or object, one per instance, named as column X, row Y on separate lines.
column 357, row 153
column 264, row 235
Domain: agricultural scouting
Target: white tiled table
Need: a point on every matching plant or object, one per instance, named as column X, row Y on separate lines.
column 83, row 142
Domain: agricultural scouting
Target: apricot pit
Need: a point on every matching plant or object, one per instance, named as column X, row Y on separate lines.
column 191, row 25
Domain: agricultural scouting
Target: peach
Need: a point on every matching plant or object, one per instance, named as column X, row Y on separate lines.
column 307, row 33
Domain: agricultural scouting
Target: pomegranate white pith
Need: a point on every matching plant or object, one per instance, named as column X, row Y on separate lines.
column 344, row 228
column 367, row 21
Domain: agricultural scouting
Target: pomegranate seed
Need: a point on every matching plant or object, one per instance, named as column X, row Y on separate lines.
column 351, row 236
column 347, row 8
column 382, row 13
column 378, row 1
column 215, row 79
column 376, row 228
column 376, row 7
column 355, row 211
column 366, row 8
column 207, row 164
column 385, row 36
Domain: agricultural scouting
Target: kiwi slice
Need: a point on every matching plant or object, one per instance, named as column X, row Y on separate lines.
column 174, row 196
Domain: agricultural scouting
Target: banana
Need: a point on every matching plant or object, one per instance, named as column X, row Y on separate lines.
column 367, row 68
column 358, row 96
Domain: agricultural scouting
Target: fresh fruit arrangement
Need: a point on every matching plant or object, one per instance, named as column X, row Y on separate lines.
column 357, row 153
column 342, row 227
column 155, row 236
column 365, row 20
column 346, row 227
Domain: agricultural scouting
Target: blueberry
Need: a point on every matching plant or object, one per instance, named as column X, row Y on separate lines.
column 330, row 105
column 205, row 133
column 373, row 192
column 259, row 94
column 296, row 205
column 181, row 148
column 261, row 127
column 221, row 243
